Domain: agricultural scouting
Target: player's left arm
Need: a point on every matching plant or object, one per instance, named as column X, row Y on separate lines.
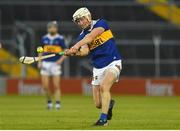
column 60, row 60
column 87, row 39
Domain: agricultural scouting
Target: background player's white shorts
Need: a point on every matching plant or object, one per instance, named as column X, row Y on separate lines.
column 50, row 69
column 98, row 74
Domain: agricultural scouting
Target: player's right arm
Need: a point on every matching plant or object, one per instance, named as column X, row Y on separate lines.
column 87, row 39
column 84, row 50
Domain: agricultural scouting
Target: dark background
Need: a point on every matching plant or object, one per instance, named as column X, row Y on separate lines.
column 135, row 28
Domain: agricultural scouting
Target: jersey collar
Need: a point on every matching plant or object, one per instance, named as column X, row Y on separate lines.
column 52, row 37
column 92, row 25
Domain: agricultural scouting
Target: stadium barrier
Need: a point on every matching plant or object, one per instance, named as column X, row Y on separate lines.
column 126, row 86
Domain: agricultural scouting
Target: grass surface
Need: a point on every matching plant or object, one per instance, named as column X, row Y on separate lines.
column 78, row 112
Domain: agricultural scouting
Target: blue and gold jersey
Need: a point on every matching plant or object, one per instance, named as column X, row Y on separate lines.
column 53, row 44
column 103, row 49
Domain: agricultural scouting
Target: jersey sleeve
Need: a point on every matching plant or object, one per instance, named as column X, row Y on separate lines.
column 101, row 23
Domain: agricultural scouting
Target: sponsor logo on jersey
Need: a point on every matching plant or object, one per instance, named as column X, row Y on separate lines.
column 103, row 38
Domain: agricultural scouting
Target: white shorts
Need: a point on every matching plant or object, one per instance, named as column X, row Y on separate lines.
column 98, row 74
column 50, row 69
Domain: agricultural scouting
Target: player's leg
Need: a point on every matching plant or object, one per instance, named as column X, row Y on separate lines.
column 98, row 75
column 98, row 101
column 96, row 96
column 45, row 83
column 105, row 87
column 56, row 72
column 45, row 78
column 111, row 75
column 57, row 92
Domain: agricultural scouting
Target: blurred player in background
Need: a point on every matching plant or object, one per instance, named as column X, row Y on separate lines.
column 52, row 42
column 97, row 40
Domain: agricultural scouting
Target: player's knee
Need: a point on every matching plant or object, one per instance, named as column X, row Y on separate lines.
column 45, row 86
column 103, row 87
column 56, row 87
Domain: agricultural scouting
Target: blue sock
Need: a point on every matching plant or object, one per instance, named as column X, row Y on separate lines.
column 103, row 117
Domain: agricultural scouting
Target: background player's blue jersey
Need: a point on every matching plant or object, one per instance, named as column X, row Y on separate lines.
column 53, row 44
column 103, row 49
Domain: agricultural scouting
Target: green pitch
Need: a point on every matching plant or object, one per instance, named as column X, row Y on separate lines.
column 78, row 112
